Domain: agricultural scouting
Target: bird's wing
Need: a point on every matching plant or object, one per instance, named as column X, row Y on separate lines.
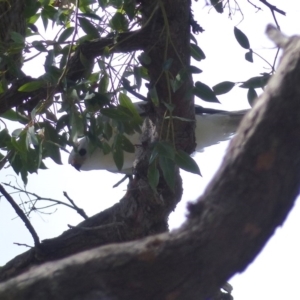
column 215, row 127
column 212, row 127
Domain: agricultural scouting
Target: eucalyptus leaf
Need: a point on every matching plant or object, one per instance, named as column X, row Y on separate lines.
column 196, row 52
column 153, row 176
column 168, row 169
column 65, row 34
column 31, row 86
column 241, row 38
column 88, row 28
column 223, row 87
column 117, row 151
column 165, row 149
column 187, row 163
column 251, row 96
column 204, row 92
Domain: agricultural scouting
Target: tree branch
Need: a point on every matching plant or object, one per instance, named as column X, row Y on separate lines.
column 273, row 7
column 21, row 214
column 124, row 42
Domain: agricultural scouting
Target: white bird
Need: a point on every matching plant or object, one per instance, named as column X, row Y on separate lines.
column 212, row 127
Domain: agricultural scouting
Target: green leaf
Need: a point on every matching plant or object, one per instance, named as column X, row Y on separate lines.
column 129, row 8
column 153, row 176
column 127, row 145
column 153, row 95
column 62, row 122
column 218, row 5
column 95, row 101
column 103, row 84
column 153, row 155
column 87, row 63
column 52, row 151
column 223, row 87
column 196, row 52
column 49, row 61
column 193, row 39
column 180, row 78
column 31, row 86
column 4, row 138
column 137, row 71
column 38, row 45
column 88, row 28
column 31, row 137
column 187, row 163
column 204, row 92
column 90, row 15
column 65, row 34
column 16, row 132
column 118, row 154
column 107, row 130
column 116, row 3
column 126, row 102
column 144, row 58
column 77, row 125
column 165, row 149
column 256, row 82
column 14, row 116
column 17, row 37
column 16, row 163
column 103, row 3
column 170, row 107
column 106, row 148
column 116, row 114
column 31, row 8
column 249, row 56
column 119, row 22
column 194, row 70
column 251, row 96
column 51, row 143
column 241, row 38
column 168, row 169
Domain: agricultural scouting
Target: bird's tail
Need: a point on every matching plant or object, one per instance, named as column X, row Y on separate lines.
column 214, row 128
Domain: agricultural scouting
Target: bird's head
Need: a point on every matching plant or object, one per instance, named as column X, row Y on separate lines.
column 79, row 155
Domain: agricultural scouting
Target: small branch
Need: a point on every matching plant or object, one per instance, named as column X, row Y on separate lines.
column 21, row 214
column 79, row 210
column 255, row 6
column 25, row 245
column 273, row 7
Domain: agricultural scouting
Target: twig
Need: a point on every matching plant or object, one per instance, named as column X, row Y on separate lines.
column 21, row 214
column 273, row 7
column 79, row 210
column 25, row 245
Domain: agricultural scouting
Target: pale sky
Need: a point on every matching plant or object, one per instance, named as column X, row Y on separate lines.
column 274, row 272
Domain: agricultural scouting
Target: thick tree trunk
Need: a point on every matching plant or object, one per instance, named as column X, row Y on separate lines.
column 248, row 198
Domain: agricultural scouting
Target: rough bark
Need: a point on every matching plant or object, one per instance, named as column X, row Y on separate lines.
column 248, row 198
column 12, row 19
